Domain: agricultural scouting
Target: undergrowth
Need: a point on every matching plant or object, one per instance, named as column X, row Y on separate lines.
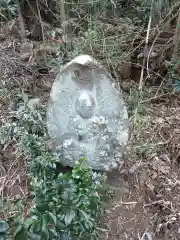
column 58, row 206
column 8, row 9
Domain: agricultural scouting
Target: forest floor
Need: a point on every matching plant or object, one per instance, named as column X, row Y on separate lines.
column 147, row 201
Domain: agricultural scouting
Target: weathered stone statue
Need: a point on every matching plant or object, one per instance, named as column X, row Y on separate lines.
column 87, row 116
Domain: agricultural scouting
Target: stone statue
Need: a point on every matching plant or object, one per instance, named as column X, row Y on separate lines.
column 86, row 116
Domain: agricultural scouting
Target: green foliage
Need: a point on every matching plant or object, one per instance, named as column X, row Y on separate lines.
column 134, row 102
column 174, row 74
column 8, row 9
column 4, row 227
column 69, row 205
column 63, row 206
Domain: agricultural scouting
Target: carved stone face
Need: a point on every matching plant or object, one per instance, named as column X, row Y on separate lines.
column 87, row 116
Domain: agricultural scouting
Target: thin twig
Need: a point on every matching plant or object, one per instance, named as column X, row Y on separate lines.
column 156, row 97
column 146, row 46
column 161, row 202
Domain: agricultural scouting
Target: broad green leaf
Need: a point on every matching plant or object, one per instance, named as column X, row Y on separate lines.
column 4, row 227
column 86, row 216
column 53, row 217
column 36, row 213
column 45, row 229
column 60, row 224
column 17, row 228
column 22, row 235
column 35, row 227
column 64, row 236
column 53, row 232
column 28, row 222
column 69, row 217
column 33, row 236
column 42, row 207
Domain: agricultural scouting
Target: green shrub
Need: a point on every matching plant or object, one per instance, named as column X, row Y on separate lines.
column 173, row 74
column 67, row 207
column 63, row 206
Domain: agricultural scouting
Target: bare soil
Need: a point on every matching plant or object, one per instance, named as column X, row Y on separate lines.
column 147, row 203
